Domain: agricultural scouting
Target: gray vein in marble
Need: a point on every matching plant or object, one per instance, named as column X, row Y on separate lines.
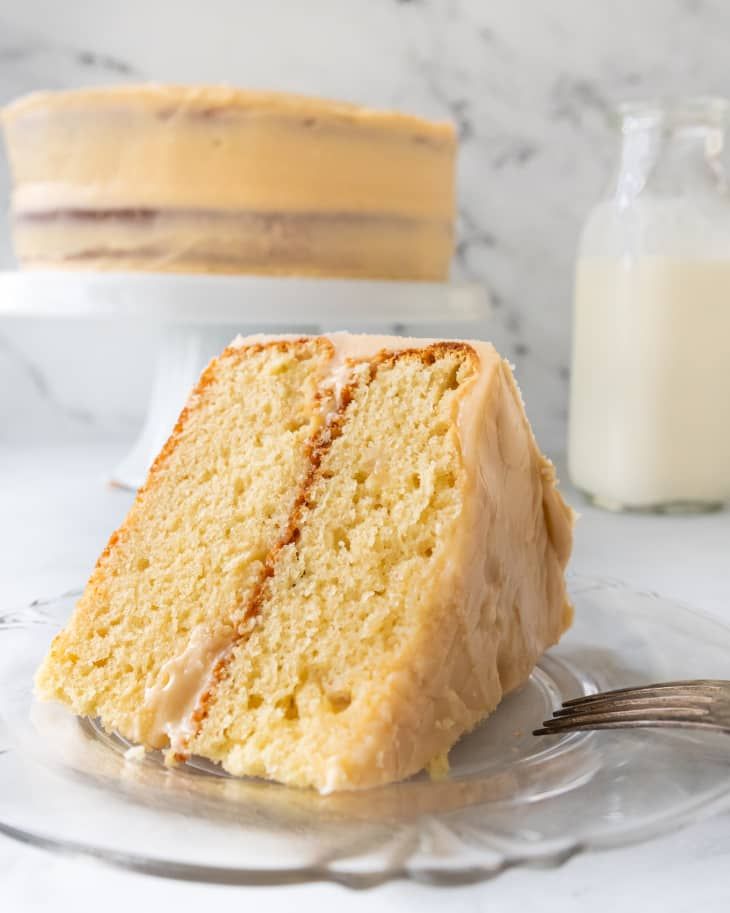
column 41, row 386
column 572, row 98
column 512, row 322
column 12, row 53
column 469, row 236
column 518, row 152
column 51, row 59
column 458, row 109
column 42, row 601
column 105, row 62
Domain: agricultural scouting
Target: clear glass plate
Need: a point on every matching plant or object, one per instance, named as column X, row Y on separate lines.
column 510, row 798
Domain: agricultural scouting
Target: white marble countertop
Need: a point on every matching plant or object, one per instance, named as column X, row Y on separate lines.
column 55, row 512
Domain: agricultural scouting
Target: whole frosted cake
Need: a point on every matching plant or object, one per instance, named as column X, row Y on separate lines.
column 348, row 551
column 214, row 179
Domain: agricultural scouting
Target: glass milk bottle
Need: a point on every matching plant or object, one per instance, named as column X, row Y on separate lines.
column 650, row 384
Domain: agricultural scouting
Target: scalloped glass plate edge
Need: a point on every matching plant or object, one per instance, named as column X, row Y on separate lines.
column 453, row 846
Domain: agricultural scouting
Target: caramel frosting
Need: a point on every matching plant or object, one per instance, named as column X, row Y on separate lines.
column 508, row 601
column 169, row 703
column 172, row 177
column 152, row 140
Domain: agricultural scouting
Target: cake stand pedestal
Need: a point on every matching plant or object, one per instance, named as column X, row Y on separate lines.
column 201, row 314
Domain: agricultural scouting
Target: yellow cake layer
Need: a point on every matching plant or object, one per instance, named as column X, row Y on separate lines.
column 363, row 602
column 171, row 586
column 192, row 153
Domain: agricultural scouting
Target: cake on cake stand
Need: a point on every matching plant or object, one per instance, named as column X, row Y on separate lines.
column 202, row 313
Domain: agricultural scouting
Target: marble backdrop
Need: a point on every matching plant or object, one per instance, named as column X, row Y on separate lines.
column 530, row 85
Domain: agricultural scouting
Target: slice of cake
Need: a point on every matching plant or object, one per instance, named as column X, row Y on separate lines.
column 213, row 179
column 348, row 551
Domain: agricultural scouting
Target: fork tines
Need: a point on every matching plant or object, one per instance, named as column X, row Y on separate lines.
column 688, row 687
column 701, row 703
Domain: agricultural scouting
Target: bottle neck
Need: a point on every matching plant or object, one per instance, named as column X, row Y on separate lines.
column 671, row 153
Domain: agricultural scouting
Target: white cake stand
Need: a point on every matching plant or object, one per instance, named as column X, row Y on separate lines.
column 201, row 314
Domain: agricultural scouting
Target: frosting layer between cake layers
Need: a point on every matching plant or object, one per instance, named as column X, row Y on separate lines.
column 222, row 180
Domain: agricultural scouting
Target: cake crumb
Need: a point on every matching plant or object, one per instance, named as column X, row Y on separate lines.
column 135, row 753
column 438, row 768
column 173, row 758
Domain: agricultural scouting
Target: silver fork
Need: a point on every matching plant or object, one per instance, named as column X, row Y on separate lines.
column 698, row 704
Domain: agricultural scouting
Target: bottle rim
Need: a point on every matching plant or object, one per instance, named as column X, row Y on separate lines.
column 691, row 111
